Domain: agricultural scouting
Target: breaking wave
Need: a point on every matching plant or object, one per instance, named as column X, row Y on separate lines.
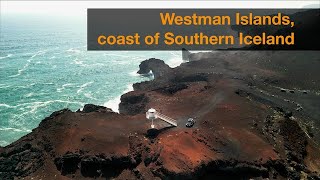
column 114, row 103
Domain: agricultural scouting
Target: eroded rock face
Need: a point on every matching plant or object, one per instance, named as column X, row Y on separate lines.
column 185, row 54
column 172, row 89
column 20, row 161
column 157, row 66
column 197, row 77
column 94, row 108
column 93, row 166
column 133, row 103
column 68, row 163
column 295, row 140
column 57, row 113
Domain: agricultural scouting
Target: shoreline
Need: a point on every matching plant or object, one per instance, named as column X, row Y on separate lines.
column 244, row 115
column 115, row 102
column 40, row 103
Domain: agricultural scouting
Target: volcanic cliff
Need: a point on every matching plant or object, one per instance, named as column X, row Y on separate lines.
column 257, row 116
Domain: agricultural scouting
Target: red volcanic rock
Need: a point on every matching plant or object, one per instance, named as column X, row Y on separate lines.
column 243, row 128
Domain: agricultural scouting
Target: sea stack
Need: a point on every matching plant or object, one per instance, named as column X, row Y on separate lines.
column 185, row 54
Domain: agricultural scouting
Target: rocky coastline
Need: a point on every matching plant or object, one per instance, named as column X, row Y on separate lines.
column 256, row 117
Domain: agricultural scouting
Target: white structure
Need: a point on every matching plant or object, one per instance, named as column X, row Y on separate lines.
column 152, row 114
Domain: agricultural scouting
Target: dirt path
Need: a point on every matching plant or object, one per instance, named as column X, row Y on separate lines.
column 215, row 100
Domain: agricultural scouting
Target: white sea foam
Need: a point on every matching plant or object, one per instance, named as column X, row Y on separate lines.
column 201, row 51
column 72, row 50
column 38, row 54
column 83, row 86
column 27, row 112
column 20, row 71
column 114, row 103
column 149, row 75
column 78, row 62
column 122, row 62
column 3, row 143
column 6, row 106
column 64, row 86
column 26, row 86
column 83, row 64
column 3, row 86
column 14, row 129
column 134, row 73
column 49, row 83
column 89, row 95
column 7, row 56
column 34, row 106
column 116, row 55
column 43, row 103
column 29, row 94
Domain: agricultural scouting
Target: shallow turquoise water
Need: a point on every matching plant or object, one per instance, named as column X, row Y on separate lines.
column 44, row 67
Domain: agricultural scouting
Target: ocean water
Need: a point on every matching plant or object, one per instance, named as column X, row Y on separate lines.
column 45, row 67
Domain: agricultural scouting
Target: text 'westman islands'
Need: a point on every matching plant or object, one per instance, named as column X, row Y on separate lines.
column 201, row 38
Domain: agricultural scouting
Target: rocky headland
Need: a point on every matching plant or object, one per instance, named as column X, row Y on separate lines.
column 257, row 116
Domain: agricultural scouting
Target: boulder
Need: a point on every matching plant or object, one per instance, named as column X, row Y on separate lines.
column 133, row 103
column 68, row 163
column 185, row 54
column 95, row 108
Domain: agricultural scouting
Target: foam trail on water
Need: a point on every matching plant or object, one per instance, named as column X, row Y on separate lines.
column 114, row 103
column 6, row 105
column 64, row 86
column 34, row 106
column 14, row 129
column 3, row 86
column 116, row 55
column 7, row 56
column 20, row 71
column 84, row 86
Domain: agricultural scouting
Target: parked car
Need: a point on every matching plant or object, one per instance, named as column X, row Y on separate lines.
column 190, row 122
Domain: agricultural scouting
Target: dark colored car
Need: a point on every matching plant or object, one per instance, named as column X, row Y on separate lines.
column 190, row 122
